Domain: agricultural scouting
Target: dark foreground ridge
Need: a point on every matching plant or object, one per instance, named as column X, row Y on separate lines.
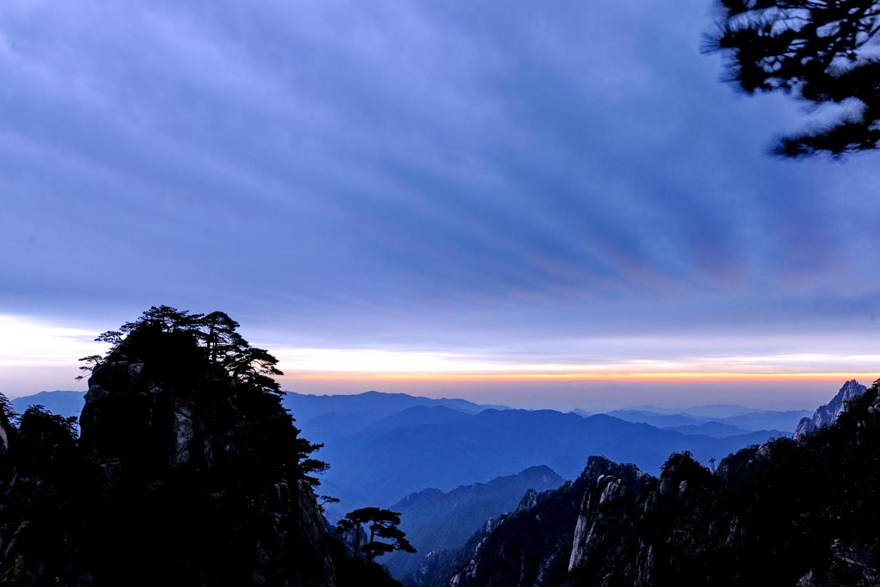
column 188, row 471
column 790, row 512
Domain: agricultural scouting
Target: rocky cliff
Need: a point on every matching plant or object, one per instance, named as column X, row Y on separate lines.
column 827, row 415
column 187, row 472
column 437, row 521
column 783, row 513
column 529, row 546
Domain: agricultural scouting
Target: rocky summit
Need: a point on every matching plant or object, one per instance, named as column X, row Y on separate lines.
column 188, row 471
column 828, row 414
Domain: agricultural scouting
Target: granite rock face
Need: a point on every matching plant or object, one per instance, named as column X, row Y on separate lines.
column 827, row 415
column 610, row 484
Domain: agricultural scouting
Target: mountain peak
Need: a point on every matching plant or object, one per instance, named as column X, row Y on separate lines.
column 529, row 501
column 827, row 414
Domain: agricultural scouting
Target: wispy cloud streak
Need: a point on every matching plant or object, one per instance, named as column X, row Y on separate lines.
column 431, row 177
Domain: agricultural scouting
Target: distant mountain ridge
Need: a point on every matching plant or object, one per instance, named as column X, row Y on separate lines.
column 327, row 417
column 345, row 414
column 714, row 429
column 477, row 448
column 770, row 420
column 414, row 416
column 654, row 419
column 63, row 403
column 309, row 406
column 713, row 411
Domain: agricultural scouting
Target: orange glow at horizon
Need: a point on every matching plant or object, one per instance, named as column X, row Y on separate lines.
column 374, row 365
column 669, row 377
column 31, row 349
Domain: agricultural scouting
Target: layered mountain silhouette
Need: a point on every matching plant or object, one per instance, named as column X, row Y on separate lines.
column 715, row 430
column 437, row 521
column 187, row 469
column 68, row 404
column 742, row 422
column 326, row 417
column 385, row 446
column 383, row 467
column 789, row 512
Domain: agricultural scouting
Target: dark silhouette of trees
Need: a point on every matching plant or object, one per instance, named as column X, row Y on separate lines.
column 381, row 524
column 821, row 51
column 167, row 336
column 44, row 437
column 188, row 471
column 216, row 333
column 91, row 362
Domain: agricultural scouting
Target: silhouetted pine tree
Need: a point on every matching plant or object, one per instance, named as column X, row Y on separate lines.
column 822, row 51
column 381, row 524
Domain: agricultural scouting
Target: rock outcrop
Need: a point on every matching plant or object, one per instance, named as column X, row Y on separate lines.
column 157, row 441
column 187, row 472
column 611, row 484
column 827, row 415
column 530, row 546
column 437, row 521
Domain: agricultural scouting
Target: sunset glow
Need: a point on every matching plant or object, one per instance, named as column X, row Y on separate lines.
column 370, row 365
column 647, row 376
column 32, row 349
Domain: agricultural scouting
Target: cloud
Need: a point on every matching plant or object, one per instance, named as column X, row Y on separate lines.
column 414, row 175
column 30, row 343
column 36, row 355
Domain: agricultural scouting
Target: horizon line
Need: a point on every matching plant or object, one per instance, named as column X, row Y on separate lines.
column 680, row 376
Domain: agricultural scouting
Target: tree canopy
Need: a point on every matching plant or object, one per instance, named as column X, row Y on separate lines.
column 215, row 333
column 382, row 524
column 177, row 345
column 822, row 52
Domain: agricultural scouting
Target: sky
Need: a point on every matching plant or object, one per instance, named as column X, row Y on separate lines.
column 554, row 204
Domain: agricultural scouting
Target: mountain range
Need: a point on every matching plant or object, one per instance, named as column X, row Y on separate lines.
column 740, row 423
column 385, row 446
column 449, row 465
column 383, row 467
column 788, row 512
column 382, row 447
column 325, row 417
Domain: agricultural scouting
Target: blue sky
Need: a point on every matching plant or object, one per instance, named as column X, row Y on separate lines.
column 451, row 188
